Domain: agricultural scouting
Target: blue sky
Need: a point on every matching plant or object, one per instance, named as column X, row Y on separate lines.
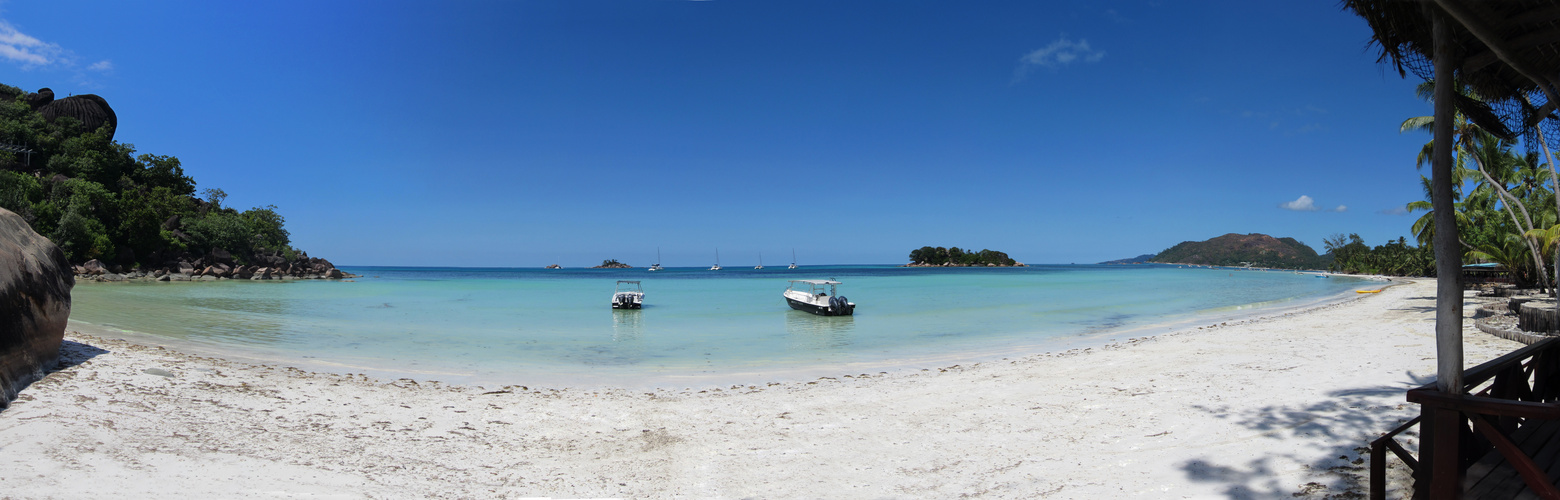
column 525, row 133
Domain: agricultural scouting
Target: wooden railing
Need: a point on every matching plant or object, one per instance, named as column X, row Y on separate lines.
column 1505, row 401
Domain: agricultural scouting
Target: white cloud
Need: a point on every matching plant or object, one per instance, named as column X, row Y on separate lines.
column 1341, row 208
column 1061, row 52
column 103, row 65
column 16, row 46
column 1302, row 204
column 1394, row 211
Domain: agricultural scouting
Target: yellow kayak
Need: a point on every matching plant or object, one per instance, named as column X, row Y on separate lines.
column 1367, row 291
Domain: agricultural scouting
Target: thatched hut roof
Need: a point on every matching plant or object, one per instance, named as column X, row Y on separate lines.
column 1508, row 54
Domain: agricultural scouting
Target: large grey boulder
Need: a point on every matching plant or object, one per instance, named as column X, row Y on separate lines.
column 35, row 283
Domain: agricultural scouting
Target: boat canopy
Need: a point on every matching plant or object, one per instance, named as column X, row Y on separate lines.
column 817, row 282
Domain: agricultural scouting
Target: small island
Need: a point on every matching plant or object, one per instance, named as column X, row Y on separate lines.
column 956, row 257
column 554, row 266
column 612, row 264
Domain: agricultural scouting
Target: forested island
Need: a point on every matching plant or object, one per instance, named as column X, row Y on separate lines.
column 1256, row 249
column 612, row 264
column 118, row 213
column 957, row 257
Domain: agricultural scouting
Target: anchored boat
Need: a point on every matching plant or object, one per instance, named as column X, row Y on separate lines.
column 819, row 297
column 628, row 295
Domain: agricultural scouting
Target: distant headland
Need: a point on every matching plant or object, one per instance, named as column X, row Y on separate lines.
column 1236, row 250
column 956, row 257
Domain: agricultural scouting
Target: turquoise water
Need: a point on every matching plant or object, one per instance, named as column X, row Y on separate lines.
column 519, row 326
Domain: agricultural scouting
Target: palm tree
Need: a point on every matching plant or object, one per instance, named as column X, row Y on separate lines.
column 1494, row 164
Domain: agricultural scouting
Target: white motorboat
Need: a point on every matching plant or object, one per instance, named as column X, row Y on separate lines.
column 628, row 295
column 819, row 297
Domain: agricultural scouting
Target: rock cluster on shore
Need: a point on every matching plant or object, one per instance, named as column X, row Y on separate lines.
column 35, row 283
column 218, row 265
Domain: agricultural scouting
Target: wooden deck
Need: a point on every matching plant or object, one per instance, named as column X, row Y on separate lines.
column 1500, row 439
column 1495, row 477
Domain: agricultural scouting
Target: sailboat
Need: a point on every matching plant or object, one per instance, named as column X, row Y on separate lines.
column 793, row 259
column 657, row 266
column 760, row 261
column 716, row 267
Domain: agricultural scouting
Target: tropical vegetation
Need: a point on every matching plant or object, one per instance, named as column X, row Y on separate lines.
column 1350, row 254
column 97, row 198
column 1504, row 200
column 955, row 256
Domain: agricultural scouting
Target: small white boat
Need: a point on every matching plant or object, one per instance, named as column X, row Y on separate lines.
column 793, row 259
column 716, row 267
column 657, row 265
column 819, row 297
column 628, row 295
column 760, row 261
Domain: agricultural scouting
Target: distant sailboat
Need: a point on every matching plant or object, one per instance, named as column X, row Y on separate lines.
column 657, row 266
column 793, row 259
column 760, row 261
column 716, row 267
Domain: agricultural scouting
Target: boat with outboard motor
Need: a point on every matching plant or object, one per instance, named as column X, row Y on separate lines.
column 628, row 295
column 820, row 297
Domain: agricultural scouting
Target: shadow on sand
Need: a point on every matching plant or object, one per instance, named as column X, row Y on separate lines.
column 71, row 354
column 1345, row 420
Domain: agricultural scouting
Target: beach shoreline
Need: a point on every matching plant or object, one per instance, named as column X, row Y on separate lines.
column 699, row 377
column 1269, row 407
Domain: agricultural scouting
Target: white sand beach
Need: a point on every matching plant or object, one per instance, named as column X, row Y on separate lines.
column 1265, row 408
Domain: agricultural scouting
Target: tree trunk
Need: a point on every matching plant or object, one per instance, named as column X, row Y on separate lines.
column 1554, row 181
column 1448, row 258
column 1514, row 206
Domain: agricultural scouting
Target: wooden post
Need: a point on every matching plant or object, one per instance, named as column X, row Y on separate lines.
column 1446, row 470
column 1445, row 425
column 1448, row 255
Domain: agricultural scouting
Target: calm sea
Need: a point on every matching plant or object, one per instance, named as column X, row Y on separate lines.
column 556, row 327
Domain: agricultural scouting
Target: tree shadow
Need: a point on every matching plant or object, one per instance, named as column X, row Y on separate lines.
column 1346, row 421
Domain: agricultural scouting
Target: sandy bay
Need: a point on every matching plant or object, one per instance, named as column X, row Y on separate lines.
column 1261, row 408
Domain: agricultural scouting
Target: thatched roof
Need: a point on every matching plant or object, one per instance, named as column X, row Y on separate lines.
column 1508, row 54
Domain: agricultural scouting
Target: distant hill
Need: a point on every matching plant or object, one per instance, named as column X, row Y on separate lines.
column 1233, row 249
column 1141, row 259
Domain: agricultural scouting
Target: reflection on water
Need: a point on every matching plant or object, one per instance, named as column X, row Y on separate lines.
column 625, row 347
column 819, row 333
column 627, row 324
